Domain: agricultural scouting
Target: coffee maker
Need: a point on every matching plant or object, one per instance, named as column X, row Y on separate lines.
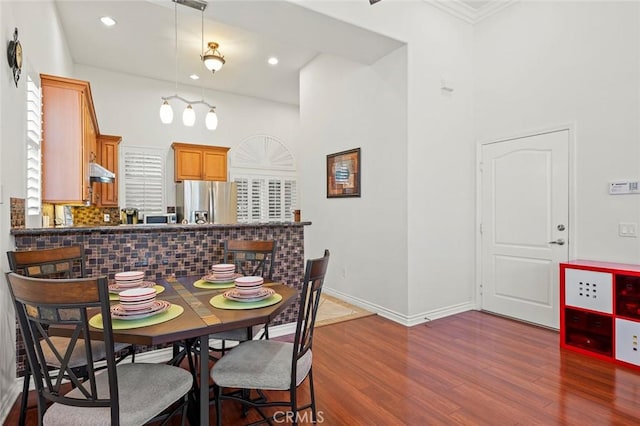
column 129, row 216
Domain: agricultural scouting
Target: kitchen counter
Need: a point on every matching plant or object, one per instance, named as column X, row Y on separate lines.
column 148, row 227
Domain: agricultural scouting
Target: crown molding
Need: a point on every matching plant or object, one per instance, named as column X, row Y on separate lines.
column 462, row 10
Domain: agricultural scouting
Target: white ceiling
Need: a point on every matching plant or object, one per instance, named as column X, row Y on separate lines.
column 143, row 42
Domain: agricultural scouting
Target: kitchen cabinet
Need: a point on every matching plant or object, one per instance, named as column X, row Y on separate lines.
column 69, row 143
column 600, row 310
column 199, row 162
column 106, row 194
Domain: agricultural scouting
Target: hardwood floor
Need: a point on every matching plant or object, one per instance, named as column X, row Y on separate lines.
column 470, row 368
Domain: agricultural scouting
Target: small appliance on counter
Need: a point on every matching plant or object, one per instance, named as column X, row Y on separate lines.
column 201, row 202
column 129, row 216
column 153, row 219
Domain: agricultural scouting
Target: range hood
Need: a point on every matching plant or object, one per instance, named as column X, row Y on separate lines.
column 97, row 173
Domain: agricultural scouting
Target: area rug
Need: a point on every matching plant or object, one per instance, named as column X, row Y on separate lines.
column 333, row 310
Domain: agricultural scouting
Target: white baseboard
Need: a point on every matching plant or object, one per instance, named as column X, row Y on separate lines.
column 12, row 395
column 403, row 319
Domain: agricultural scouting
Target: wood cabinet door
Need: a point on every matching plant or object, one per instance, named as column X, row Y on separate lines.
column 89, row 150
column 107, row 193
column 61, row 146
column 215, row 165
column 188, row 164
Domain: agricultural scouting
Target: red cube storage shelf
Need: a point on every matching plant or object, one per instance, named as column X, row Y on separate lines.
column 600, row 310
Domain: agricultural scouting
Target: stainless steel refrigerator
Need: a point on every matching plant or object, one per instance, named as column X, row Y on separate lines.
column 201, row 201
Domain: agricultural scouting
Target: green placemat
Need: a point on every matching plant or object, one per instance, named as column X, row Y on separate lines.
column 116, row 296
column 174, row 311
column 213, row 286
column 222, row 302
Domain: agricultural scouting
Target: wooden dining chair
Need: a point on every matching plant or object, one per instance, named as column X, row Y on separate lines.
column 59, row 263
column 252, row 258
column 124, row 394
column 261, row 365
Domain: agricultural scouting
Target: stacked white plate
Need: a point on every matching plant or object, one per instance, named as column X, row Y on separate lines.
column 136, row 303
column 136, row 299
column 249, row 289
column 249, row 286
column 129, row 279
column 222, row 273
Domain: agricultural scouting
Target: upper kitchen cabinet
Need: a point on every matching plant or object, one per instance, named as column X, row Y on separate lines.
column 70, row 130
column 106, row 194
column 199, row 162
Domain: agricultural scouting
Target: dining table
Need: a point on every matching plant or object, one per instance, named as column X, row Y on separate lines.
column 198, row 319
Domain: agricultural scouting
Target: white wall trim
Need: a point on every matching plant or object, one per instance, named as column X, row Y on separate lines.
column 406, row 320
column 467, row 13
column 9, row 399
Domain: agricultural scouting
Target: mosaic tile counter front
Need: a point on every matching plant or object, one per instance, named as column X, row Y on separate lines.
column 169, row 250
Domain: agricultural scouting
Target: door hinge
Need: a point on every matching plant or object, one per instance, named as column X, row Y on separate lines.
column 480, row 289
column 480, row 228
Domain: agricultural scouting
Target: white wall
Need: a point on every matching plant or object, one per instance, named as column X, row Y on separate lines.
column 129, row 106
column 345, row 105
column 433, row 243
column 547, row 63
column 45, row 51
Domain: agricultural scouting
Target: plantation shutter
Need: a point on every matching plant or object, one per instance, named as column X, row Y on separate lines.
column 34, row 137
column 144, row 180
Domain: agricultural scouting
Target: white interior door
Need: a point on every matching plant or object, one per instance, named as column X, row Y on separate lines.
column 525, row 213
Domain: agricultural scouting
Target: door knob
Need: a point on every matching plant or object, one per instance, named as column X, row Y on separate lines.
column 559, row 242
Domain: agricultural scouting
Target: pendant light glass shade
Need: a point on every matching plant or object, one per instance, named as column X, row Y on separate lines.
column 188, row 116
column 166, row 113
column 211, row 120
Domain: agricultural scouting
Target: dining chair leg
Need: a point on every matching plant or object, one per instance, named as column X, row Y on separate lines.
column 25, row 396
column 294, row 405
column 314, row 415
column 217, row 390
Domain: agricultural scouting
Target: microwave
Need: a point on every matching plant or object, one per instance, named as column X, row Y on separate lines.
column 169, row 218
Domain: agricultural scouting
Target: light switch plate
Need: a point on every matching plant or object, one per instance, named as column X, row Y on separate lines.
column 628, row 229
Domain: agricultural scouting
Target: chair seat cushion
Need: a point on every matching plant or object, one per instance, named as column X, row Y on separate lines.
column 78, row 356
column 144, row 391
column 260, row 364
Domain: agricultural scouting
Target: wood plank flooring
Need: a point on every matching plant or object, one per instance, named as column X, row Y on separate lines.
column 471, row 368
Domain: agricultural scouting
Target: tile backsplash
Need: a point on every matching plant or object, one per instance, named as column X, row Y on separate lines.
column 18, row 213
column 95, row 215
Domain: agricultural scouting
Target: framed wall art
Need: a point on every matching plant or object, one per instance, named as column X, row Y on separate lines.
column 343, row 174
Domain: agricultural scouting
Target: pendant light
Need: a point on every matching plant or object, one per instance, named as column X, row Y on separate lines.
column 188, row 115
column 212, row 58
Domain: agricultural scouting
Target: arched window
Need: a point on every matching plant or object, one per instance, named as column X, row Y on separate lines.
column 265, row 172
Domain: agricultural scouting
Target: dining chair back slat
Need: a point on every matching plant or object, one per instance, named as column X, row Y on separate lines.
column 251, row 257
column 60, row 262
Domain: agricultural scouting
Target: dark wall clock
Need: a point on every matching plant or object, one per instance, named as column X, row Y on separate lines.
column 14, row 56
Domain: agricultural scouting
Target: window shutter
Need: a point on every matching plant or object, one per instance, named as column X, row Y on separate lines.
column 258, row 190
column 290, row 201
column 265, row 173
column 275, row 200
column 242, row 185
column 34, row 137
column 144, row 181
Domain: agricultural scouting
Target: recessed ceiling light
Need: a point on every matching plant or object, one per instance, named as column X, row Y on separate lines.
column 273, row 60
column 108, row 21
column 194, row 76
